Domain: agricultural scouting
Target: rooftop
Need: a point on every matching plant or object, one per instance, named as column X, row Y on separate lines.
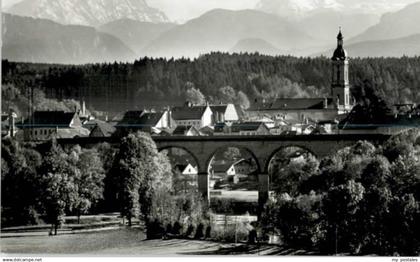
column 50, row 119
column 188, row 112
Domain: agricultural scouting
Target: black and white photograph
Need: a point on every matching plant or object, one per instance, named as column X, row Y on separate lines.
column 203, row 128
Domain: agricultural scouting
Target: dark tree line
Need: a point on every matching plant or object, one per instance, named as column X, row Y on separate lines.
column 119, row 86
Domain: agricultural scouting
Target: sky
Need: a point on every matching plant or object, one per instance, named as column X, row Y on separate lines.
column 183, row 10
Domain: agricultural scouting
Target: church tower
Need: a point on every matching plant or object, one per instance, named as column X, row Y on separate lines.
column 340, row 77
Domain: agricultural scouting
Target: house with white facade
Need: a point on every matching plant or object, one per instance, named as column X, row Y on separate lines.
column 191, row 115
column 224, row 113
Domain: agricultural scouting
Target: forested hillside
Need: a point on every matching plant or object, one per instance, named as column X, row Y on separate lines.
column 159, row 82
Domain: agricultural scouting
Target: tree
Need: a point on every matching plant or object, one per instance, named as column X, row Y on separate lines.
column 288, row 176
column 232, row 154
column 243, row 100
column 19, row 165
column 340, row 207
column 195, row 96
column 227, row 94
column 139, row 167
column 298, row 219
column 57, row 183
column 89, row 181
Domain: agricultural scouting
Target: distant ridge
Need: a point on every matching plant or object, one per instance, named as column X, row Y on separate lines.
column 220, row 30
column 252, row 45
column 406, row 46
column 28, row 39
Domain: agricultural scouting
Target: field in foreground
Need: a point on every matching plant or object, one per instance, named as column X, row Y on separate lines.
column 131, row 242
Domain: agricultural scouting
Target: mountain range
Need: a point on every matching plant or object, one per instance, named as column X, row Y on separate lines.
column 88, row 12
column 136, row 34
column 220, row 30
column 299, row 9
column 398, row 24
column 44, row 41
column 81, row 31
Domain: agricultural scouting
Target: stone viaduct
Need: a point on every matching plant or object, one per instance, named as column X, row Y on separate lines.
column 262, row 148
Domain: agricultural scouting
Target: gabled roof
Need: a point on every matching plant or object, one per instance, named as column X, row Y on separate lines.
column 50, row 119
column 188, row 113
column 247, row 126
column 207, row 130
column 140, row 119
column 183, row 167
column 105, row 129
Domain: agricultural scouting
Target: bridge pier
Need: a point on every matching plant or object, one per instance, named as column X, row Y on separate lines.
column 203, row 185
column 263, row 192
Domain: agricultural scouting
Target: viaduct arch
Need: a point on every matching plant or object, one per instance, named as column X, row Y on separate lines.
column 262, row 148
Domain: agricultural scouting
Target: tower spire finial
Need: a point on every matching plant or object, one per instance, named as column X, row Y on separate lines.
column 340, row 35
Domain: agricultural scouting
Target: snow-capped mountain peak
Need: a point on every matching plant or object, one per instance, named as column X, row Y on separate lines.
column 293, row 9
column 297, row 8
column 88, row 12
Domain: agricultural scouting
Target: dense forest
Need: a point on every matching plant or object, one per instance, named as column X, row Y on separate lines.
column 150, row 82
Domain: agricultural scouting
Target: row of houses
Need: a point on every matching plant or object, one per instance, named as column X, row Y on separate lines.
column 186, row 120
column 303, row 118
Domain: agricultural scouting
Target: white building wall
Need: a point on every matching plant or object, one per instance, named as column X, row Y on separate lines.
column 231, row 115
column 207, row 117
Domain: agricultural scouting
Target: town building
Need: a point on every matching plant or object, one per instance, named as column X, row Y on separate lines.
column 224, row 113
column 102, row 129
column 187, row 170
column 44, row 125
column 145, row 121
column 192, row 115
column 249, row 129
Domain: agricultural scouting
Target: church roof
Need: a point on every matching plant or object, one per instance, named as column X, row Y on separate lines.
column 340, row 53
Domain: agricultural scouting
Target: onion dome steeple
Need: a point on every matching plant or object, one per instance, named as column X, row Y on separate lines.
column 340, row 53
